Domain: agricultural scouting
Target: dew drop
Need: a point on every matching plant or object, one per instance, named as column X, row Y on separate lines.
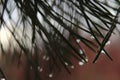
column 78, row 40
column 31, row 67
column 80, row 51
column 103, row 51
column 92, row 37
column 41, row 69
column 66, row 63
column 108, row 43
column 2, row 79
column 47, row 59
column 86, row 59
column 81, row 63
column 44, row 57
column 72, row 67
column 50, row 75
column 38, row 67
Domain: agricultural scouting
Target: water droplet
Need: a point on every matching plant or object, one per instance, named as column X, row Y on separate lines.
column 92, row 37
column 81, row 63
column 66, row 63
column 2, row 79
column 78, row 40
column 41, row 69
column 44, row 57
column 72, row 67
column 47, row 59
column 86, row 59
column 103, row 51
column 31, row 67
column 80, row 51
column 50, row 75
column 108, row 43
column 38, row 67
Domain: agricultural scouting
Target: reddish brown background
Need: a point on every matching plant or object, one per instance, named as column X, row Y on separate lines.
column 104, row 69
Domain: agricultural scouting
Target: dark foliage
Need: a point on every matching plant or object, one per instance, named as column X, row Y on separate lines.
column 58, row 23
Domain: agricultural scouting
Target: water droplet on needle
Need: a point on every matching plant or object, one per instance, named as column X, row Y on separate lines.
column 81, row 63
column 66, row 63
column 78, row 40
column 80, row 51
column 103, row 51
column 72, row 67
column 2, row 79
column 108, row 43
column 41, row 69
column 50, row 75
column 92, row 37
